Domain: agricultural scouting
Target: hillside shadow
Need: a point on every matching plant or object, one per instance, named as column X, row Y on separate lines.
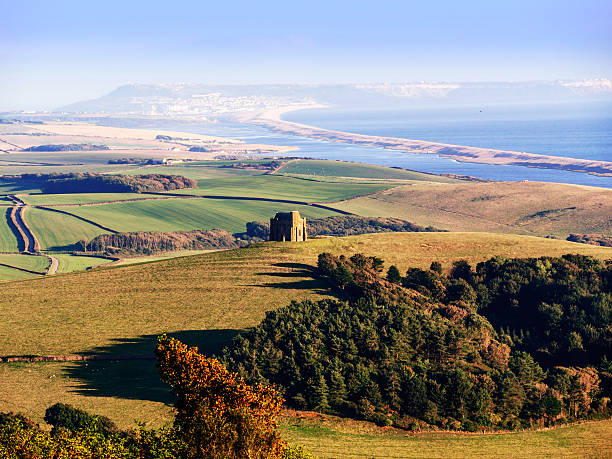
column 137, row 378
column 314, row 283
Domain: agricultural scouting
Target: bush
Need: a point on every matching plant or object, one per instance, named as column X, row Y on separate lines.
column 65, row 416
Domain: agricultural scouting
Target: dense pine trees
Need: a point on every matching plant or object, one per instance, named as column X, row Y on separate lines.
column 511, row 343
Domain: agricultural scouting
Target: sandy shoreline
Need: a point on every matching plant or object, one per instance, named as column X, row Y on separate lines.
column 272, row 119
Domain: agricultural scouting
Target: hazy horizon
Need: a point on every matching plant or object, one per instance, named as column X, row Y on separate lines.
column 67, row 51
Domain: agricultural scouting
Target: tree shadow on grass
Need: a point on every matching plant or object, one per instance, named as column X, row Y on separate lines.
column 315, row 283
column 137, row 378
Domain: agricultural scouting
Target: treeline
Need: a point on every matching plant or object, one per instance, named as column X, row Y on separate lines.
column 99, row 183
column 340, row 225
column 68, row 147
column 510, row 344
column 140, row 161
column 261, row 165
column 148, row 243
column 153, row 242
column 593, row 239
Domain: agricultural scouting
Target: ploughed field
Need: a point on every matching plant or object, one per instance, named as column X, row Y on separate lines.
column 205, row 300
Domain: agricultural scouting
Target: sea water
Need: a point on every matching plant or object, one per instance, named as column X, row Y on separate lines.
column 579, row 131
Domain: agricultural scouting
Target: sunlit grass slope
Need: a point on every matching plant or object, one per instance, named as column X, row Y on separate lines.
column 329, row 437
column 221, row 290
column 347, row 169
column 507, row 207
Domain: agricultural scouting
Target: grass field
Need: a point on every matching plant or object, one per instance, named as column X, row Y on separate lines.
column 8, row 274
column 69, row 263
column 282, row 187
column 55, row 230
column 188, row 214
column 8, row 241
column 220, row 290
column 43, row 384
column 346, row 169
column 329, row 437
column 160, row 257
column 507, row 207
column 30, row 262
column 73, row 198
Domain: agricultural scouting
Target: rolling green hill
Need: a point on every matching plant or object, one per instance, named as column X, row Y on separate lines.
column 346, row 169
column 187, row 214
column 8, row 241
column 54, row 230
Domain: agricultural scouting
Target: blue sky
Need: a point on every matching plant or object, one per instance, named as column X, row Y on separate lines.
column 57, row 52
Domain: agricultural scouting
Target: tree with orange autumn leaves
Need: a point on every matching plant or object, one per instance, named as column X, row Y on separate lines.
column 218, row 415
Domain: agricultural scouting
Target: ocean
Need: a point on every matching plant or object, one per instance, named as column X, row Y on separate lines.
column 579, row 131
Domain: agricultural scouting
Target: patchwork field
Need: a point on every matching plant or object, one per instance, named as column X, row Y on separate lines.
column 344, row 169
column 55, row 231
column 8, row 241
column 187, row 214
column 283, row 187
column 506, row 207
column 9, row 274
column 74, row 198
column 29, row 262
column 69, row 263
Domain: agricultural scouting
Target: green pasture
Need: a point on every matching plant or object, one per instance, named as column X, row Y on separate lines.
column 69, row 263
column 187, row 214
column 54, row 230
column 347, row 169
column 8, row 240
column 329, row 437
column 9, row 274
column 81, row 198
column 282, row 187
column 30, row 262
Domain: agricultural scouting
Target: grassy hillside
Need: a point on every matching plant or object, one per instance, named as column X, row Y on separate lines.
column 281, row 187
column 347, row 169
column 506, row 207
column 74, row 198
column 332, row 437
column 187, row 214
column 204, row 300
column 9, row 274
column 69, row 263
column 55, row 230
column 8, row 241
column 30, row 262
column 219, row 290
